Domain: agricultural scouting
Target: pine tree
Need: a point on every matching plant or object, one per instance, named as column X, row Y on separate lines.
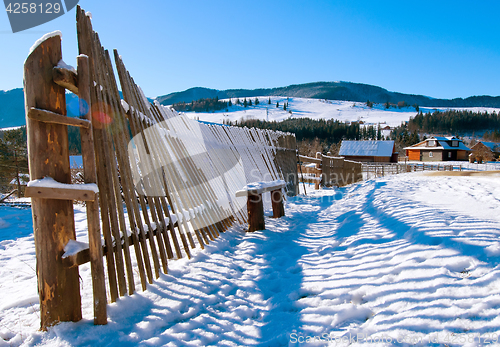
column 238, row 101
column 269, row 102
column 230, row 103
column 245, row 102
column 277, row 104
column 249, row 102
column 284, row 106
column 257, row 101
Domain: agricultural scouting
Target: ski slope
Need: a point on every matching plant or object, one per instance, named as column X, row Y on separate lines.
column 402, row 260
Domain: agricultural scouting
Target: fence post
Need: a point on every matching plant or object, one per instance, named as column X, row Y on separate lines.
column 53, row 220
column 318, row 167
column 255, row 209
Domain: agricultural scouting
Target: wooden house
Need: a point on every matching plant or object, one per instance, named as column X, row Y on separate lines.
column 484, row 151
column 369, row 151
column 438, row 148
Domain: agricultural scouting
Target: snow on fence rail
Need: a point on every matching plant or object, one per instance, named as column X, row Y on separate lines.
column 166, row 183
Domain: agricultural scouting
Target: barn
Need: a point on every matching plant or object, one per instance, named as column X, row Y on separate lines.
column 484, row 151
column 438, row 148
column 369, row 151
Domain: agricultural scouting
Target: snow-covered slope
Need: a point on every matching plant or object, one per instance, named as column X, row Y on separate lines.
column 317, row 109
column 398, row 259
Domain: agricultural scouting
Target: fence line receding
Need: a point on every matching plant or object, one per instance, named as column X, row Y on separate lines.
column 166, row 184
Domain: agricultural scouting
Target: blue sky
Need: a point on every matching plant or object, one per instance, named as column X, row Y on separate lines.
column 442, row 49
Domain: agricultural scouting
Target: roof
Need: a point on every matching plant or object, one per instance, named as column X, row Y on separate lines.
column 493, row 146
column 367, row 148
column 425, row 147
column 443, row 144
column 461, row 145
column 443, row 138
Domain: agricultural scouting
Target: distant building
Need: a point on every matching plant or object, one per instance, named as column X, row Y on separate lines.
column 484, row 151
column 386, row 131
column 438, row 148
column 369, row 151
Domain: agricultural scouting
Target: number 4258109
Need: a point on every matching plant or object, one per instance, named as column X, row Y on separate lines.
column 23, row 8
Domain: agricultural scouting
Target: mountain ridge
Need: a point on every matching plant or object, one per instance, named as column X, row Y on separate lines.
column 347, row 91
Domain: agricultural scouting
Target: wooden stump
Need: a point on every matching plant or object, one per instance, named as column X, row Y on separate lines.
column 277, row 202
column 53, row 224
column 255, row 208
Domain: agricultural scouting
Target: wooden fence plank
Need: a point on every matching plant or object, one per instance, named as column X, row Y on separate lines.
column 92, row 207
column 115, row 129
column 85, row 46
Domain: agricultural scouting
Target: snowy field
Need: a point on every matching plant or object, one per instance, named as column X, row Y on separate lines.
column 402, row 260
column 318, row 109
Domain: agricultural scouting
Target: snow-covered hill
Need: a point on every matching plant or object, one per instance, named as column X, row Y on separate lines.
column 310, row 108
column 316, row 109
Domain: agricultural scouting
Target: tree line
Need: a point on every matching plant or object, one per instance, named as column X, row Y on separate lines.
column 326, row 135
column 13, row 157
column 325, row 130
column 454, row 121
column 202, row 105
column 213, row 104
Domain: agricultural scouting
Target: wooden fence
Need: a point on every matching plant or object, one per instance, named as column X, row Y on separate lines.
column 371, row 170
column 328, row 171
column 155, row 180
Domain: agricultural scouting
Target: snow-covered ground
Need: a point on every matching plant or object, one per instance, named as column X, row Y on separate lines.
column 317, row 109
column 397, row 260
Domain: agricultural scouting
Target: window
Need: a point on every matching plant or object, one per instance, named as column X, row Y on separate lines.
column 431, row 155
column 454, row 143
column 449, row 154
column 431, row 143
